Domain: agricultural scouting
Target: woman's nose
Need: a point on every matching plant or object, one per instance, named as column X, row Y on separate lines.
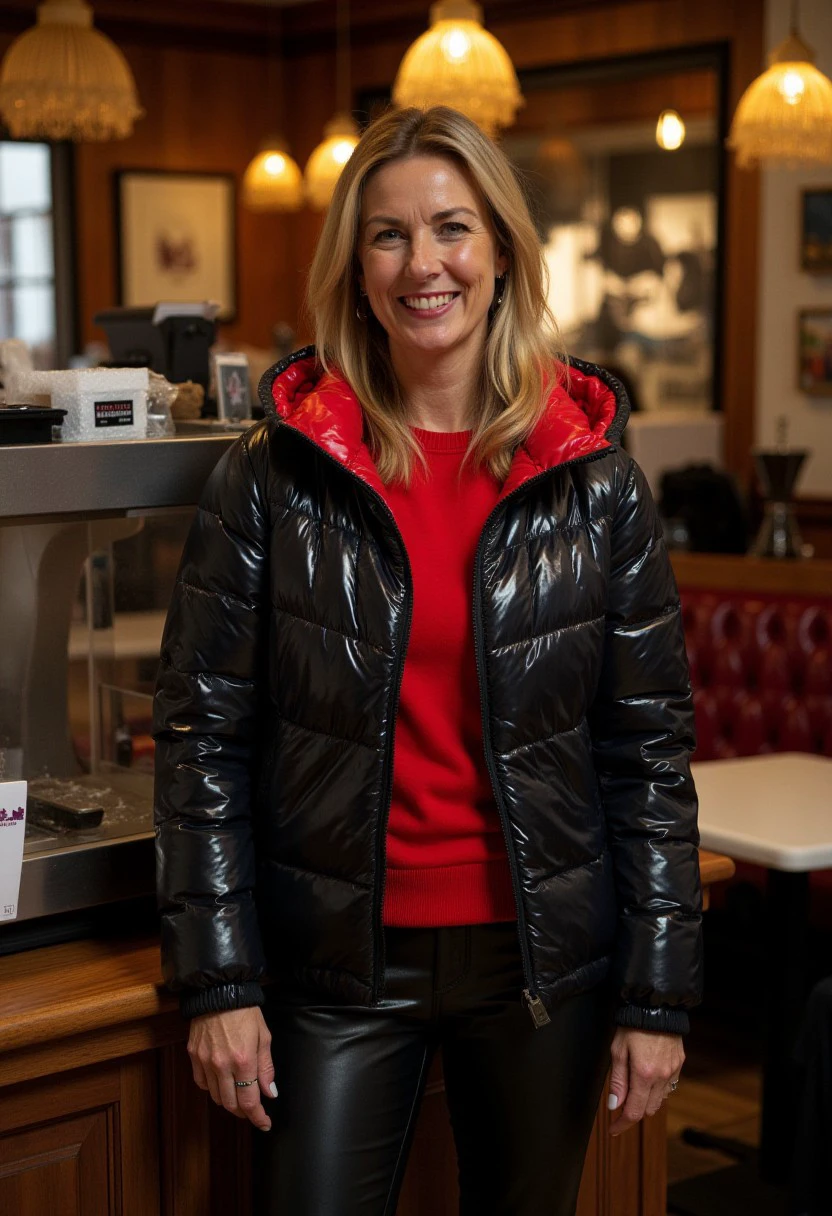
column 422, row 261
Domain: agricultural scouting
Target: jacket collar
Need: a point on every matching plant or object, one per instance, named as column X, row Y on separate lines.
column 583, row 421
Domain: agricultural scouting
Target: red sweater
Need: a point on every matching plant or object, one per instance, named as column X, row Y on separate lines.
column 446, row 857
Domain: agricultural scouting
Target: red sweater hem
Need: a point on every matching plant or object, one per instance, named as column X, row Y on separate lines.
column 478, row 892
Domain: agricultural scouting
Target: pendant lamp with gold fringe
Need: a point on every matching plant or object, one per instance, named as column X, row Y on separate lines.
column 785, row 115
column 273, row 180
column 458, row 63
column 326, row 163
column 63, row 79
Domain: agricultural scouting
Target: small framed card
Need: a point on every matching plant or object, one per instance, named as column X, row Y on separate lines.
column 814, row 345
column 232, row 387
column 816, row 231
column 12, row 829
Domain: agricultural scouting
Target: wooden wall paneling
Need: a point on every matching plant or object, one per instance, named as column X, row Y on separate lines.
column 207, row 111
column 741, row 243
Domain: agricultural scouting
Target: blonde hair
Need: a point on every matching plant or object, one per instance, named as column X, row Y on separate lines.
column 517, row 368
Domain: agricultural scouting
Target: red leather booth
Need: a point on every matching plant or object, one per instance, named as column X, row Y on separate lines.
column 761, row 668
column 759, row 641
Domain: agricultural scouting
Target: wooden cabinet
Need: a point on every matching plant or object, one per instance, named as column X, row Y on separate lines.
column 82, row 1143
column 99, row 1115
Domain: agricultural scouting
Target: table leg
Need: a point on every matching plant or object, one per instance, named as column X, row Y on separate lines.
column 786, row 982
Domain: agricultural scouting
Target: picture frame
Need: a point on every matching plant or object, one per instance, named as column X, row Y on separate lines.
column 176, row 238
column 814, row 349
column 816, row 230
column 232, row 386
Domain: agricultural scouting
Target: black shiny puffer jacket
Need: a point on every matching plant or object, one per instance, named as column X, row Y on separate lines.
column 277, row 695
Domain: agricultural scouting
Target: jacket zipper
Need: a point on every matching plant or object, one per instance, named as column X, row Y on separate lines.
column 380, row 867
column 530, row 996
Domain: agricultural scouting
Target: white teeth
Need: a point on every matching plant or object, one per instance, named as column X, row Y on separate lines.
column 428, row 302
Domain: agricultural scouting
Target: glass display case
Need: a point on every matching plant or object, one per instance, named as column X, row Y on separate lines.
column 90, row 542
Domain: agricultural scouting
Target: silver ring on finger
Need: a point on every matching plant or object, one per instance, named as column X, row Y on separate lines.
column 243, row 1084
column 673, row 1086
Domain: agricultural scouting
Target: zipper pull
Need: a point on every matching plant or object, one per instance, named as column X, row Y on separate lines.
column 537, row 1009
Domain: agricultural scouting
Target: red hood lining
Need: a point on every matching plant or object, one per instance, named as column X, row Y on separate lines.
column 323, row 406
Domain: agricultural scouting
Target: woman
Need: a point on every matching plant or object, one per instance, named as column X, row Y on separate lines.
column 434, row 535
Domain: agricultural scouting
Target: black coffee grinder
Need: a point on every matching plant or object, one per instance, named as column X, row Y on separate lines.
column 778, row 472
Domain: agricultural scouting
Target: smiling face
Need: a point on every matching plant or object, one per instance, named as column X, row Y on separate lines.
column 429, row 257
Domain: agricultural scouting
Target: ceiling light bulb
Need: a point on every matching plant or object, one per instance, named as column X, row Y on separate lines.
column 456, row 45
column 670, row 131
column 792, row 88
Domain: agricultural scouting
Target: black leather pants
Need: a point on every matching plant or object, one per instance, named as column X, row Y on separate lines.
column 350, row 1081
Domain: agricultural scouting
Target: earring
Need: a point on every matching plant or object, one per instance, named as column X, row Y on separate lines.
column 361, row 307
column 499, row 292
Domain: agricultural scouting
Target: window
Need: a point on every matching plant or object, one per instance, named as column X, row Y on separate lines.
column 27, row 256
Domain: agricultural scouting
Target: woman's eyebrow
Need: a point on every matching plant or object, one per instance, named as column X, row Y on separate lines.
column 394, row 221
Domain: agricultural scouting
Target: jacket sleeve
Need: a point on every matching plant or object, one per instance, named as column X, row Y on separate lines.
column 205, row 721
column 643, row 734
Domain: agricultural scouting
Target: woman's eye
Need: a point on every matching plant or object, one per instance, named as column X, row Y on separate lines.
column 387, row 234
column 454, row 228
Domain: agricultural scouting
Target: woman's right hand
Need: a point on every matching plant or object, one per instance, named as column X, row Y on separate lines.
column 234, row 1046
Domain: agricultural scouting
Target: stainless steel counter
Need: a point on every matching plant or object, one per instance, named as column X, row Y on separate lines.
column 78, row 480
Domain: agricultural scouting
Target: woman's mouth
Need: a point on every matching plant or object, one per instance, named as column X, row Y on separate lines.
column 435, row 304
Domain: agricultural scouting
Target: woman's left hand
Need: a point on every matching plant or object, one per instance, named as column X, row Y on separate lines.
column 644, row 1064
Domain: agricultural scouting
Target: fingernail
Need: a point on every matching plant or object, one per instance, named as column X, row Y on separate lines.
column 273, row 1090
column 612, row 1102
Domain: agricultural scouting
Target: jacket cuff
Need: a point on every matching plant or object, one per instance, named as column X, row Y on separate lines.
column 220, row 998
column 661, row 1018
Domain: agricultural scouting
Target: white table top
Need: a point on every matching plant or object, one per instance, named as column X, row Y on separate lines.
column 774, row 810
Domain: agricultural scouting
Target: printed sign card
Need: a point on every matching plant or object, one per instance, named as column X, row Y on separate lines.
column 12, row 827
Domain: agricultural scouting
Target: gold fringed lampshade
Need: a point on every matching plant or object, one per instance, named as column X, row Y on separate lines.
column 63, row 79
column 458, row 63
column 327, row 161
column 272, row 181
column 785, row 115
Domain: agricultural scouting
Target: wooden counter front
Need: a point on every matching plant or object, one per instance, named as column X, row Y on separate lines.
column 99, row 1115
column 752, row 575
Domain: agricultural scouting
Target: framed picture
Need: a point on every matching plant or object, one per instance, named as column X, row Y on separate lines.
column 814, row 346
column 176, row 238
column 232, row 386
column 816, row 231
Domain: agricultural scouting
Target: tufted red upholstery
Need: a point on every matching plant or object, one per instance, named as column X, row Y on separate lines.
column 761, row 667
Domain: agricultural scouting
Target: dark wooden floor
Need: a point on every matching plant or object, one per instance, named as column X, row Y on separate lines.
column 719, row 1092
